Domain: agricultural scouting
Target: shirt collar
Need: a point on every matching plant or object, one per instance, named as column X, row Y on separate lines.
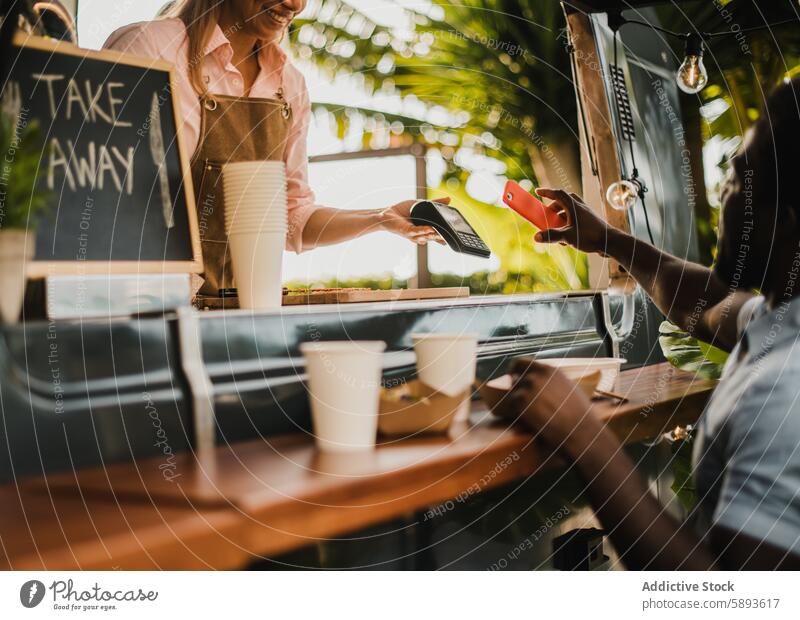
column 271, row 57
column 769, row 327
column 218, row 41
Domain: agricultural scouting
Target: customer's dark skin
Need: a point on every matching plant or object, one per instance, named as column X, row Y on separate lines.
column 704, row 301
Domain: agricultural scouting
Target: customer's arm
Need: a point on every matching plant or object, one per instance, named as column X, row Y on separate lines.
column 689, row 294
column 644, row 535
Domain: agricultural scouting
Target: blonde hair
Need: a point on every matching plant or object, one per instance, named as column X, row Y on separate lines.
column 200, row 18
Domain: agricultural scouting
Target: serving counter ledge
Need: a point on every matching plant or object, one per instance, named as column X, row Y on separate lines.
column 102, row 391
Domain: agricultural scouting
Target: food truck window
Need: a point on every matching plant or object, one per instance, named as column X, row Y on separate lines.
column 352, row 181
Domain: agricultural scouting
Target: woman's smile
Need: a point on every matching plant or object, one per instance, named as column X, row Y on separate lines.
column 280, row 17
column 277, row 14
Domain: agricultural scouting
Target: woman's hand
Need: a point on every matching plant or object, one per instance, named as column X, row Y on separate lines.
column 585, row 230
column 553, row 406
column 397, row 220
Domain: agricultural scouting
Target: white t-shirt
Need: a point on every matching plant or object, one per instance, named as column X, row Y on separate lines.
column 747, row 453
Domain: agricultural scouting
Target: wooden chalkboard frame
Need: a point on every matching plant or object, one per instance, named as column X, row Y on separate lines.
column 42, row 269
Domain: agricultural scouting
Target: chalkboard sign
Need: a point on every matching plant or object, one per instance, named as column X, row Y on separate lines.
column 121, row 192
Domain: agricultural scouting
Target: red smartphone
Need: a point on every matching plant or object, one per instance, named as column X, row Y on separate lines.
column 531, row 208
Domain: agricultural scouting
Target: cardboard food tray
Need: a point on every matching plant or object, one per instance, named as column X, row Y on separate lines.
column 495, row 393
column 417, row 409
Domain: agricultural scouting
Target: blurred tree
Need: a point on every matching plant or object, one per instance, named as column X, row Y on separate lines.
column 494, row 76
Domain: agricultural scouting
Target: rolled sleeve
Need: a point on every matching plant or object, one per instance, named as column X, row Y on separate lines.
column 298, row 217
column 302, row 202
column 760, row 494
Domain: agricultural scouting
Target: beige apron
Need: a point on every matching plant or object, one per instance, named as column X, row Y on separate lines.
column 232, row 129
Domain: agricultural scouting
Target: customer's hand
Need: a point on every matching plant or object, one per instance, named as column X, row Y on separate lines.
column 585, row 230
column 551, row 405
column 397, row 220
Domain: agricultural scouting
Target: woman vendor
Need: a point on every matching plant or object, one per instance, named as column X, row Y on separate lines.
column 241, row 100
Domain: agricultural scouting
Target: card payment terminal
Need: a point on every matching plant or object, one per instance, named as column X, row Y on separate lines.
column 451, row 225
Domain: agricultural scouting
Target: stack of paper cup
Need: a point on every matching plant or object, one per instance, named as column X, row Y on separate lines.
column 447, row 363
column 256, row 221
column 344, row 381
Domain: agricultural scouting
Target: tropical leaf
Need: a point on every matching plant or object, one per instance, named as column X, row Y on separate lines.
column 690, row 354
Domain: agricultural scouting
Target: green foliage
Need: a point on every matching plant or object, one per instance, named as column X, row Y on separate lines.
column 500, row 68
column 479, row 283
column 21, row 199
column 690, row 354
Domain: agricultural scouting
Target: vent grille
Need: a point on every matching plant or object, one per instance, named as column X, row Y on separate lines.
column 623, row 104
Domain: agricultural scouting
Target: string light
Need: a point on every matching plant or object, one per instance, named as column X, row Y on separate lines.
column 622, row 195
column 692, row 75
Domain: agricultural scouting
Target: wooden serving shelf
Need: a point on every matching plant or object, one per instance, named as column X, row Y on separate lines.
column 341, row 296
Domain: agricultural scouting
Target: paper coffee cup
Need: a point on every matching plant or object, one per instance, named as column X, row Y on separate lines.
column 268, row 211
column 253, row 224
column 255, row 164
column 344, row 381
column 447, row 363
column 257, row 268
column 255, row 195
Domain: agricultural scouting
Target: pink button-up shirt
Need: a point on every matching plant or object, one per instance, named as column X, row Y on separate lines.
column 165, row 39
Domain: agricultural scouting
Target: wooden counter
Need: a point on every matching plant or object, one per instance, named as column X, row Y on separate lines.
column 265, row 497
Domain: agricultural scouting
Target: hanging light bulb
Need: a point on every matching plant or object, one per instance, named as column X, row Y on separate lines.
column 622, row 195
column 692, row 75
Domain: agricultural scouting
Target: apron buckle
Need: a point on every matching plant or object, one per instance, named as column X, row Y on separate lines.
column 286, row 108
column 210, row 104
